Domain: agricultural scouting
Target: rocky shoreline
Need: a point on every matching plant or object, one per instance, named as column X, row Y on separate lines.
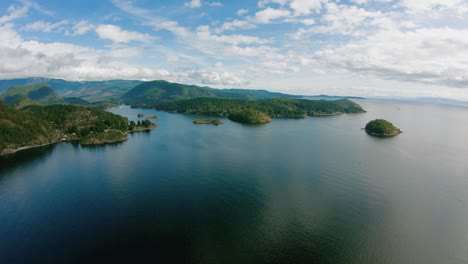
column 87, row 142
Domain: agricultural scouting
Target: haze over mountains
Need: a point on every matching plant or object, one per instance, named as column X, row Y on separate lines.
column 21, row 92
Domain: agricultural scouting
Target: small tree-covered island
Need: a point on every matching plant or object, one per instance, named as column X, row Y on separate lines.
column 208, row 122
column 381, row 128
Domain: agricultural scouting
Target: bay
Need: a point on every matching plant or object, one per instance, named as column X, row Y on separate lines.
column 314, row 190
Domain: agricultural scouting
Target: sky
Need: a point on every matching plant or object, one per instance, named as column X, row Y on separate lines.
column 370, row 48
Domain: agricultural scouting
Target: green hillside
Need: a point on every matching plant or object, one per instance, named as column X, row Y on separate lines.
column 18, row 129
column 22, row 101
column 165, row 91
column 89, row 90
column 22, row 95
column 148, row 93
column 42, row 94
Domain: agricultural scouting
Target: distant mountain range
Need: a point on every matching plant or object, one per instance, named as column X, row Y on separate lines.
column 162, row 91
column 90, row 91
column 145, row 93
column 22, row 92
column 37, row 94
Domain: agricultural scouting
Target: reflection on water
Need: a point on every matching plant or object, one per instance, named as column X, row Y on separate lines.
column 9, row 162
column 314, row 190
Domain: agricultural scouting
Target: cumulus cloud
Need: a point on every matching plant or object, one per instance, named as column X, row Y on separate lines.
column 417, row 6
column 215, row 4
column 426, row 55
column 269, row 14
column 20, row 58
column 305, row 7
column 242, row 12
column 193, row 4
column 116, row 34
column 211, row 78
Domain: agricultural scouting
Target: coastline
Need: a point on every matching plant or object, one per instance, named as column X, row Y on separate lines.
column 383, row 135
column 8, row 151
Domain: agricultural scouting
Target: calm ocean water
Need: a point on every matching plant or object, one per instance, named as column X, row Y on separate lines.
column 315, row 190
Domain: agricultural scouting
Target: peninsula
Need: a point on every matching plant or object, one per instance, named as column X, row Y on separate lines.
column 36, row 125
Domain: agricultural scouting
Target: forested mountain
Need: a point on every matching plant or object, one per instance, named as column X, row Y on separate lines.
column 89, row 90
column 40, row 93
column 149, row 93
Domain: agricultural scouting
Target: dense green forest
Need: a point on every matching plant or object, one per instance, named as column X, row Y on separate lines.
column 279, row 107
column 37, row 125
column 381, row 127
column 249, row 116
column 18, row 128
column 149, row 93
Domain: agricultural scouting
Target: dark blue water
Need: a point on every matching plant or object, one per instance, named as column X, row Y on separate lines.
column 316, row 190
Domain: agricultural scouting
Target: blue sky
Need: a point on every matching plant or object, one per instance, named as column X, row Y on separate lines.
column 392, row 48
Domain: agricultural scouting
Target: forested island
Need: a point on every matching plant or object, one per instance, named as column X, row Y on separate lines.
column 215, row 122
column 381, row 128
column 37, row 125
column 257, row 111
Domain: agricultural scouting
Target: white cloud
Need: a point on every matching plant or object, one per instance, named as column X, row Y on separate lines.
column 346, row 20
column 14, row 12
column 116, row 34
column 263, row 3
column 415, row 6
column 431, row 56
column 20, row 59
column 81, row 28
column 204, row 34
column 173, row 27
column 193, row 4
column 305, row 7
column 215, row 4
column 269, row 14
column 242, row 12
column 43, row 26
column 236, row 24
column 211, row 78
column 276, row 67
column 360, row 2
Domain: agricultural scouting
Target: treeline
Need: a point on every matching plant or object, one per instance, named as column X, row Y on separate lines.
column 381, row 127
column 18, row 128
column 36, row 125
column 249, row 116
column 279, row 107
column 72, row 117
